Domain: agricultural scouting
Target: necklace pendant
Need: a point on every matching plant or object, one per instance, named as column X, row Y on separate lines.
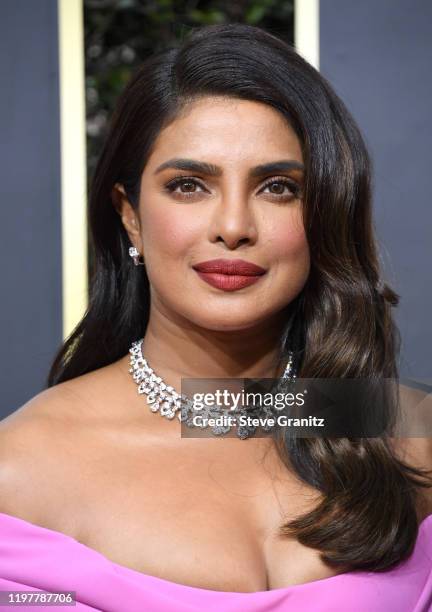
column 168, row 412
column 155, row 407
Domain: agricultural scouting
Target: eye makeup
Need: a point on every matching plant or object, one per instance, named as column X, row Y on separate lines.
column 287, row 183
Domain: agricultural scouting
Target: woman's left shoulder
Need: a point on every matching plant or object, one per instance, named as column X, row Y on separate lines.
column 416, row 419
column 414, row 445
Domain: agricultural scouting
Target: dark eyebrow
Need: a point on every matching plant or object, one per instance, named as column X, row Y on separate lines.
column 192, row 165
column 275, row 167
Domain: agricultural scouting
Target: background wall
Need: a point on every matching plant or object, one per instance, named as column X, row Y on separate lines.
column 30, row 229
column 377, row 55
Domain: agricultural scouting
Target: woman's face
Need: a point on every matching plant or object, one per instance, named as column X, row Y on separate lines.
column 217, row 203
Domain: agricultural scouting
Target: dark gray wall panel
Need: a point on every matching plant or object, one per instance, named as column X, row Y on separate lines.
column 378, row 56
column 31, row 301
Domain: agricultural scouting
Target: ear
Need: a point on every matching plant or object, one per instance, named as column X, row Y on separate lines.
column 129, row 216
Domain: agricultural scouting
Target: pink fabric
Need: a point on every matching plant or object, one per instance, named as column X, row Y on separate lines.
column 38, row 559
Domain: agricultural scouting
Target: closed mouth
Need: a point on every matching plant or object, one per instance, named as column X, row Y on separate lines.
column 230, row 267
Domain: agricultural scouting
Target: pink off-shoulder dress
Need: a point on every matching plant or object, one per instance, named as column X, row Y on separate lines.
column 34, row 558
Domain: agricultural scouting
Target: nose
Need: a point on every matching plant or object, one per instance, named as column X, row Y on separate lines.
column 233, row 222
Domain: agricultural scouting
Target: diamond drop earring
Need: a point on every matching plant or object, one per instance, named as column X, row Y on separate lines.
column 133, row 252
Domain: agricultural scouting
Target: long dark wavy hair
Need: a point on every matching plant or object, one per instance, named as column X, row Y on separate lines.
column 341, row 324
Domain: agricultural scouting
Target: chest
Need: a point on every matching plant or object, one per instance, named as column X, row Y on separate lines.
column 192, row 515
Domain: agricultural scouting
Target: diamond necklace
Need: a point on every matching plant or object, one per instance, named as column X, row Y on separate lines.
column 164, row 398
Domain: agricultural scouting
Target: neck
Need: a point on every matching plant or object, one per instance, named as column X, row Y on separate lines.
column 177, row 348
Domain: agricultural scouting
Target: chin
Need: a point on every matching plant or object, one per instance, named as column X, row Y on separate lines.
column 227, row 321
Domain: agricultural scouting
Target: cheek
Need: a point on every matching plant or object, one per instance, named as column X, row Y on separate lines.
column 169, row 232
column 289, row 243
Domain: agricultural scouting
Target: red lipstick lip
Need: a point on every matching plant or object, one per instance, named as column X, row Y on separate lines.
column 231, row 267
column 228, row 282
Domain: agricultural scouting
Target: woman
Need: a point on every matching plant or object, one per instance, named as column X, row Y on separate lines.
column 230, row 147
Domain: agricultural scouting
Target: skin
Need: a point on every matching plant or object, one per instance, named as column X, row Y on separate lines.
column 197, row 330
column 87, row 458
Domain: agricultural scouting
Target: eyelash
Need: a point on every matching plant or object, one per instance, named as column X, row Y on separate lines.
column 177, row 181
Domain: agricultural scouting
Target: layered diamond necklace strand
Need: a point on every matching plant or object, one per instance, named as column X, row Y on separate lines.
column 164, row 398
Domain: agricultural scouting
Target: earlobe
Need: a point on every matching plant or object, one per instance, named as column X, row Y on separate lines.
column 129, row 222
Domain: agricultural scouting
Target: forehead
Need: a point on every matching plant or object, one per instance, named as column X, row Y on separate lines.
column 228, row 129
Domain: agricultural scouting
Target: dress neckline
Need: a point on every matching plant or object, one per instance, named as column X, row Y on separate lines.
column 123, row 568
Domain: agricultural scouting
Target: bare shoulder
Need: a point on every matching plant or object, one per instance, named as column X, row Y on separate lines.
column 416, row 417
column 36, row 421
column 43, row 444
column 414, row 446
column 414, row 398
column 65, row 403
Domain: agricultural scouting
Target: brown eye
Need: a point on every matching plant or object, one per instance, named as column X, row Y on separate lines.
column 283, row 188
column 184, row 186
column 187, row 186
column 280, row 187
